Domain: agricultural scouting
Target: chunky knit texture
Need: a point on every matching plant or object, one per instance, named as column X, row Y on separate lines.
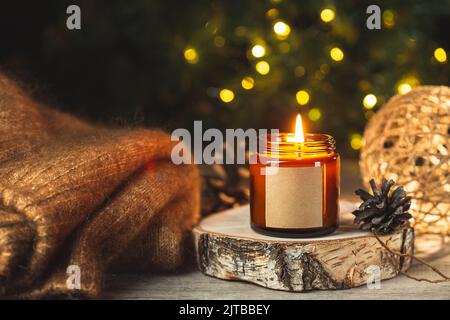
column 72, row 193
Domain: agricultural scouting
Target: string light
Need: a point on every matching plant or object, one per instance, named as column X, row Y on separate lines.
column 314, row 114
column 226, row 95
column 219, row 41
column 356, row 141
column 388, row 19
column 272, row 13
column 318, row 75
column 336, row 54
column 302, row 97
column 299, row 71
column 258, row 51
column 407, row 83
column 404, row 88
column 369, row 101
column 263, row 67
column 191, row 56
column 248, row 83
column 211, row 27
column 440, row 55
column 282, row 30
column 327, row 15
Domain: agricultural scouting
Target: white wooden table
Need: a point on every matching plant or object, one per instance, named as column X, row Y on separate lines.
column 193, row 284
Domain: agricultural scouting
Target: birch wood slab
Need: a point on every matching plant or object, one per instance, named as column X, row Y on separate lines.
column 227, row 248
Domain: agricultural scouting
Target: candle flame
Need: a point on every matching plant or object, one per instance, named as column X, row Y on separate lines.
column 298, row 136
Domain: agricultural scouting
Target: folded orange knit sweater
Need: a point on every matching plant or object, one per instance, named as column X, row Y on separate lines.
column 76, row 196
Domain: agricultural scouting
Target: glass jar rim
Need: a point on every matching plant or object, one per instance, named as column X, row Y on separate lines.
column 315, row 143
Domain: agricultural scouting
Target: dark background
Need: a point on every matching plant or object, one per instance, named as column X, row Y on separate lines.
column 126, row 64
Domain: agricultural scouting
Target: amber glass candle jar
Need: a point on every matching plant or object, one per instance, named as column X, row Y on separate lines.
column 294, row 187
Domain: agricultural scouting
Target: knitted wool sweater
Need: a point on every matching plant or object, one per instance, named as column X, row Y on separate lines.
column 77, row 200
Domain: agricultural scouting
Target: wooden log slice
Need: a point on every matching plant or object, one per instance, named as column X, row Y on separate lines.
column 227, row 248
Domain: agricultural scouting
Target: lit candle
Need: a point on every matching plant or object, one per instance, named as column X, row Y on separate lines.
column 298, row 133
column 294, row 192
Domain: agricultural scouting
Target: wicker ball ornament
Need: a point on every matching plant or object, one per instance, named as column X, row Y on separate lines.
column 408, row 140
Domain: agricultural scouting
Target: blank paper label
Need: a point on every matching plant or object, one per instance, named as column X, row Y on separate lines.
column 294, row 198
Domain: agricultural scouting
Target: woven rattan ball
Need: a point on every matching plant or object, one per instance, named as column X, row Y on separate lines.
column 408, row 140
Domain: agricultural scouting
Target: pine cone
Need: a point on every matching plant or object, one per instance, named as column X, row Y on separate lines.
column 224, row 187
column 382, row 212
